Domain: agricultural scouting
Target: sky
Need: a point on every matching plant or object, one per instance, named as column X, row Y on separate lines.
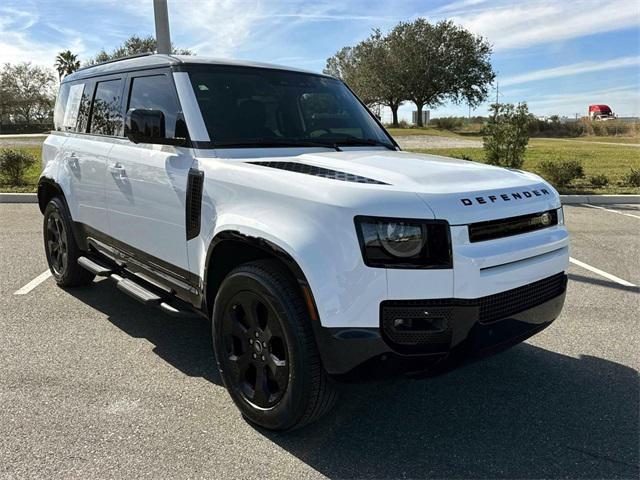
column 557, row 55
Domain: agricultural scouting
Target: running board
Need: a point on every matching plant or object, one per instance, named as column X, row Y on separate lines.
column 94, row 267
column 133, row 289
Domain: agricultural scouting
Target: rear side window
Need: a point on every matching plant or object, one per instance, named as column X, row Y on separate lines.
column 85, row 106
column 156, row 92
column 106, row 116
column 68, row 107
column 61, row 104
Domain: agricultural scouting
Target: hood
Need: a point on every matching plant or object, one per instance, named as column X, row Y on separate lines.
column 459, row 191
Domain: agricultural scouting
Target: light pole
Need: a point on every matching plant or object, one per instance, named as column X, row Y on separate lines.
column 163, row 37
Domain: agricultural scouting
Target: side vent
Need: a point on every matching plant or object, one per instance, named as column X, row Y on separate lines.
column 194, row 202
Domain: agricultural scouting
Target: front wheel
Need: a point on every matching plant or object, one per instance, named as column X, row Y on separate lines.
column 61, row 248
column 265, row 348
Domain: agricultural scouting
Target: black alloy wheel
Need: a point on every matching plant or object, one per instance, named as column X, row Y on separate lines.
column 256, row 349
column 61, row 248
column 56, row 242
column 265, row 348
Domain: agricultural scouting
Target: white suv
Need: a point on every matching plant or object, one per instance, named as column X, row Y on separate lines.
column 273, row 203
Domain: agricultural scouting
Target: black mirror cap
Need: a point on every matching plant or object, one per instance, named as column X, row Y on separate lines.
column 145, row 126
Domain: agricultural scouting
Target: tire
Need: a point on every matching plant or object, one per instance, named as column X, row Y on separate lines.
column 61, row 248
column 262, row 336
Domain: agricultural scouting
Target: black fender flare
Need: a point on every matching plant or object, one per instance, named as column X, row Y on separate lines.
column 270, row 249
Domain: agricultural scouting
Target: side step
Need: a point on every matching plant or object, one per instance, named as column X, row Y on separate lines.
column 94, row 267
column 133, row 289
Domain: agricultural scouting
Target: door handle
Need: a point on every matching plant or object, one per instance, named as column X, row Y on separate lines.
column 118, row 171
column 72, row 160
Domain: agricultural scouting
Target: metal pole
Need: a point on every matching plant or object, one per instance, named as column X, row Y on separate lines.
column 163, row 37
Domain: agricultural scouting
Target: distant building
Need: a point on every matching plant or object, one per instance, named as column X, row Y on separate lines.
column 426, row 114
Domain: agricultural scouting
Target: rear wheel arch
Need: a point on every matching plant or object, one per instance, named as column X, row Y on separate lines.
column 47, row 189
column 230, row 249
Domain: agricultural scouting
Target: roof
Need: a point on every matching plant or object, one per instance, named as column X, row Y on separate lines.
column 156, row 60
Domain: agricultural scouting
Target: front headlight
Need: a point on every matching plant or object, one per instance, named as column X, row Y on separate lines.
column 404, row 243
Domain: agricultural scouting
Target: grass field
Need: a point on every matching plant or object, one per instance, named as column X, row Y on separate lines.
column 612, row 160
column 615, row 161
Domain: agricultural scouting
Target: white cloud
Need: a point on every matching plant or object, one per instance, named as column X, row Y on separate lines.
column 18, row 45
column 572, row 69
column 461, row 5
column 507, row 25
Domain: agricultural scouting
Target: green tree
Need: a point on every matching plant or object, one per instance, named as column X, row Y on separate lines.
column 506, row 135
column 440, row 62
column 27, row 91
column 368, row 68
column 66, row 63
column 132, row 46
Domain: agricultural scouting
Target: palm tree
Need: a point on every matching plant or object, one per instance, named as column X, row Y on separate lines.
column 66, row 63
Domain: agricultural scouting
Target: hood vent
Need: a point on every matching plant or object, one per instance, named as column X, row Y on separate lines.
column 319, row 172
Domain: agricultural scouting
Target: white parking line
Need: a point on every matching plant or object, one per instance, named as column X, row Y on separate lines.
column 613, row 278
column 610, row 210
column 33, row 283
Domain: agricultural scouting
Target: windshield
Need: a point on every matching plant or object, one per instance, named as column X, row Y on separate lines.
column 244, row 106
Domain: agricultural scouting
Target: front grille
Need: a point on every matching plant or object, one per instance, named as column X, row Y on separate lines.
column 505, row 227
column 501, row 305
column 428, row 324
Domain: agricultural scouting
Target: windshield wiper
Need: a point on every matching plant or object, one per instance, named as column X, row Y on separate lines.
column 356, row 142
column 274, row 142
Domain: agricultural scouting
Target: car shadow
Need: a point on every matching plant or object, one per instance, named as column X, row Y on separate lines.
column 185, row 343
column 526, row 413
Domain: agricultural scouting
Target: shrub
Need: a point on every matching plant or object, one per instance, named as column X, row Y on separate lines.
column 599, row 181
column 506, row 135
column 447, row 123
column 633, row 178
column 561, row 174
column 14, row 164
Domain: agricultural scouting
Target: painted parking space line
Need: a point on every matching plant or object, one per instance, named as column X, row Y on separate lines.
column 610, row 210
column 602, row 273
column 33, row 283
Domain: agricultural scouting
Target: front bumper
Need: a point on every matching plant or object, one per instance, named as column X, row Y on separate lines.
column 452, row 331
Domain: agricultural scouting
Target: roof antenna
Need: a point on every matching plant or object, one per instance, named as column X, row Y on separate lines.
column 163, row 37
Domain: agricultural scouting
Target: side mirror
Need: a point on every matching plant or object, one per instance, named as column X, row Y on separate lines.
column 147, row 126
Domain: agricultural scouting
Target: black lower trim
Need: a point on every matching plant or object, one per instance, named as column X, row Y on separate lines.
column 364, row 352
column 180, row 282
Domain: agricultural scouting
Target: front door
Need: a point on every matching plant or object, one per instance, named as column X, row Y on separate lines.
column 146, row 184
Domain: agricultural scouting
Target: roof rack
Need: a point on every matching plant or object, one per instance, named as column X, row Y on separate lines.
column 137, row 55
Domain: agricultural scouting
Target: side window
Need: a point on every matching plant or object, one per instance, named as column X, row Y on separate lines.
column 106, row 117
column 61, row 106
column 85, row 107
column 70, row 108
column 156, row 92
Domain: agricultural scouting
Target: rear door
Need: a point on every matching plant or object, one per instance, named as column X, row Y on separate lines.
column 146, row 184
column 95, row 118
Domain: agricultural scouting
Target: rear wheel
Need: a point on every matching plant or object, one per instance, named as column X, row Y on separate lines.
column 265, row 348
column 61, row 248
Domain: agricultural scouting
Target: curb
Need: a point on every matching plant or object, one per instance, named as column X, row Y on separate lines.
column 566, row 199
column 18, row 198
column 599, row 199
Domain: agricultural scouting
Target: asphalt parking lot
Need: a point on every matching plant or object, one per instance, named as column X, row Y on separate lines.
column 94, row 385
